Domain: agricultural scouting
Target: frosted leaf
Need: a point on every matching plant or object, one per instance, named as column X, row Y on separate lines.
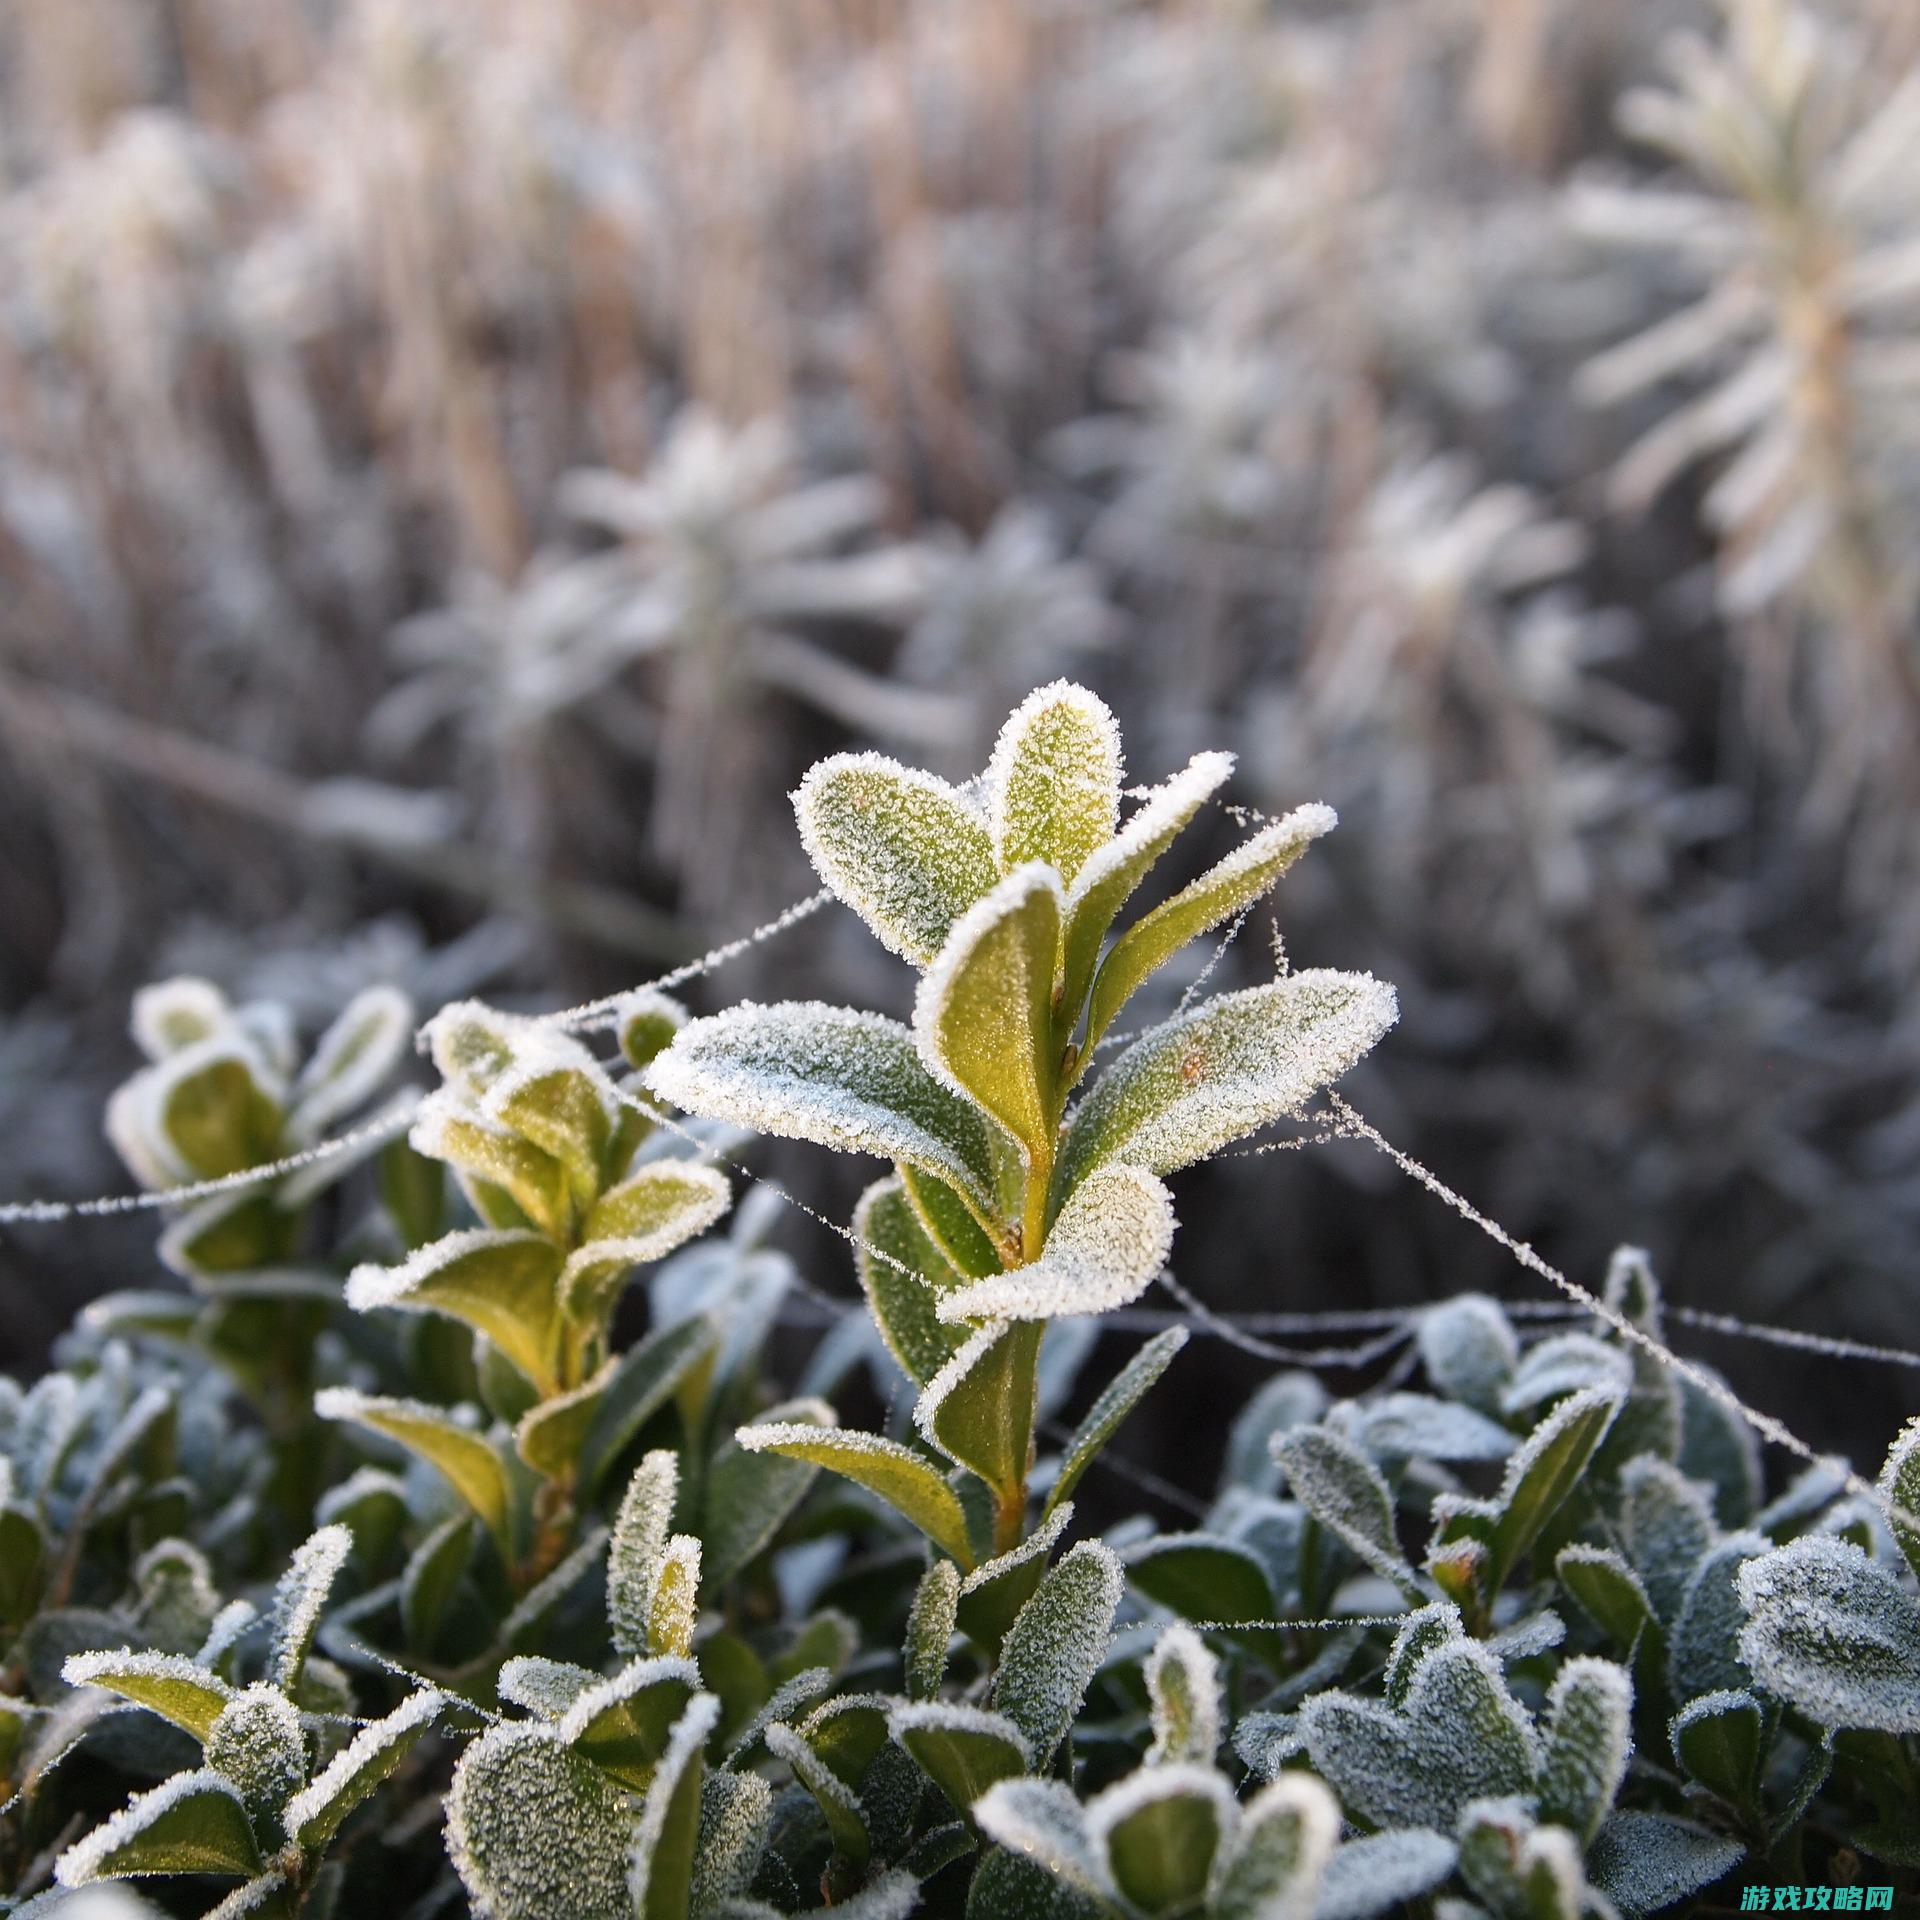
column 979, row 1408
column 1183, row 1688
column 1158, row 1832
column 1041, row 1821
column 930, row 1628
column 210, row 1110
column 1208, row 902
column 260, row 1895
column 1201, row 1576
column 1286, row 1401
column 1517, row 1866
column 543, row 1686
column 1588, row 1736
column 352, row 1057
column 1566, row 1363
column 736, row 1815
column 1646, row 1861
column 168, row 1684
column 991, row 1596
column 472, row 1465
column 555, row 1094
column 659, row 1208
column 192, row 1823
column 314, row 1814
column 257, row 1744
column 1469, row 1349
column 176, row 1013
column 786, row 1703
column 640, row 1533
column 1607, row 1589
column 228, row 1626
column 1117, row 1400
column 495, row 1164
column 1528, row 1637
column 1666, row 1521
column 891, row 1897
column 299, row 1599
column 1057, row 1643
column 1423, row 1631
column 1273, row 1868
column 750, row 1495
column 963, row 1750
column 1346, row 1493
column 530, row 1618
column 838, row 1803
column 1900, row 1489
column 645, row 1022
column 623, row 1724
column 1461, row 1736
column 1718, row 1447
column 1703, row 1644
column 1833, row 1634
column 902, row 1303
column 1109, row 1243
column 534, row 1831
column 1053, row 780
column 1230, row 1067
column 674, row 1605
column 983, row 1015
column 1718, row 1740
column 1373, row 1876
column 1415, row 1426
column 904, row 850
column 472, row 1044
column 1111, row 874
column 853, row 1081
column 1267, row 1741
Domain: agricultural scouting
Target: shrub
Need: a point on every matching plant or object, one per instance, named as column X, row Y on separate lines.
column 478, row 1608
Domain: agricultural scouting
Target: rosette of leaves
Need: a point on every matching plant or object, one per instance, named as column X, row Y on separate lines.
column 278, row 1776
column 1005, row 1208
column 557, row 1162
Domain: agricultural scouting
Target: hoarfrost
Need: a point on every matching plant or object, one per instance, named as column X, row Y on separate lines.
column 1056, row 1644
column 1042, row 1822
column 299, row 1598
column 1053, row 780
column 1183, row 1684
column 640, row 1533
column 257, row 1744
column 1469, row 1349
column 89, row 1859
column 1367, row 1877
column 1589, row 1735
column 1646, row 1861
column 363, row 1762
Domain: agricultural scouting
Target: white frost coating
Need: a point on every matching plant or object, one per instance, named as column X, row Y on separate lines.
column 784, row 1433
column 243, row 1900
column 840, row 1078
column 1564, row 1364
column 470, row 1043
column 934, row 1395
column 1589, row 1736
column 1162, row 815
column 1111, row 1239
column 352, row 1057
column 532, row 1606
column 1005, row 820
column 349, row 1403
column 809, row 1769
column 1112, row 1808
column 1041, row 1821
column 443, row 1109
column 1183, row 1683
column 640, row 1533
column 1469, row 1348
column 691, row 1196
column 629, row 1681
column 1374, row 1875
column 539, row 1052
column 1415, row 1426
column 543, row 1686
column 370, row 1287
column 736, row 1816
column 1253, row 1882
column 258, row 1745
column 892, row 1897
column 171, row 1014
column 948, row 1716
column 94, row 1669
column 223, row 1634
column 1834, row 1634
column 1057, row 1642
column 1646, row 1861
column 1233, row 1065
column 86, row 1859
column 907, row 909
column 1036, row 1546
column 299, row 1597
column 361, row 1752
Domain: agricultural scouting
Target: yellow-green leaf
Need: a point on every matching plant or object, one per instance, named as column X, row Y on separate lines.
column 1053, row 783
column 496, row 1165
column 902, row 1271
column 193, row 1823
column 468, row 1460
column 979, row 1408
column 550, row 1436
column 165, row 1683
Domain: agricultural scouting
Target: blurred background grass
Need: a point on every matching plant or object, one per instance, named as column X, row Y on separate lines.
column 460, row 460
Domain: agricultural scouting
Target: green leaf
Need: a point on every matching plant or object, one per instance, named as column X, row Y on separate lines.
column 500, row 1284
column 930, row 1627
column 641, row 1531
column 647, row 1377
column 298, row 1600
column 543, row 1686
column 963, row 1750
column 1233, row 1065
column 550, row 1436
column 534, row 1831
column 848, row 1734
column 1055, row 1647
column 511, row 1182
column 992, row 1595
column 624, row 1724
column 364, row 1044
column 168, row 1684
column 433, row 1574
column 839, row 1805
column 674, row 1605
column 949, row 1223
column 979, row 1408
column 1273, row 1865
column 1646, row 1861
column 193, row 1823
column 1105, row 1417
column 556, row 1095
column 1053, row 783
column 1159, row 1831
column 373, row 1755
column 23, row 1559
column 1518, row 1866
column 983, row 1016
column 897, row 1474
column 736, row 1817
column 843, row 1079
column 1219, row 893
column 168, row 1015
column 1202, row 1577
column 1718, row 1740
column 750, row 1495
column 211, row 1110
column 258, row 1744
column 1588, row 1735
column 1346, row 1493
column 468, row 1460
column 1104, row 884
column 1900, row 1488
column 667, row 1838
column 1106, row 1248
column 645, row 1218
column 905, row 851
column 1607, row 1589
column 902, row 1270
column 645, row 1022
column 1183, row 1687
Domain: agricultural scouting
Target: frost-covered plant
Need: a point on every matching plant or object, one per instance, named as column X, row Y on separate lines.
column 1005, row 1211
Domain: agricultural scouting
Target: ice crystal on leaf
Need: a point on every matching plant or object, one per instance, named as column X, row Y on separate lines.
column 1053, row 783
